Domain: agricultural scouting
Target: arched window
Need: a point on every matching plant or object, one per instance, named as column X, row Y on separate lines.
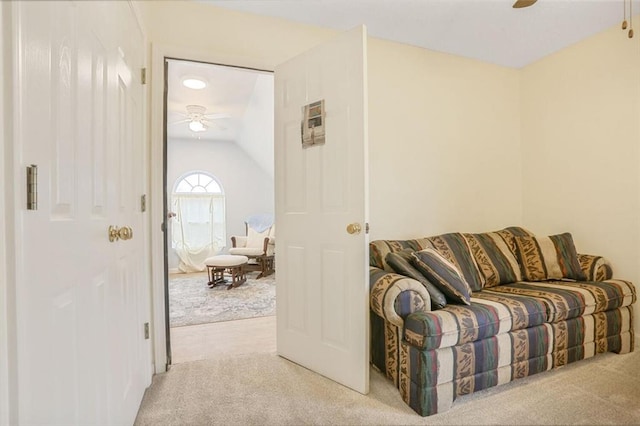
column 198, row 228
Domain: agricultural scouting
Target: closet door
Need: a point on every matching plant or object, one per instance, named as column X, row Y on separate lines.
column 82, row 300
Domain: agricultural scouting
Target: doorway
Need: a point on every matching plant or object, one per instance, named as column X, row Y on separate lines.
column 218, row 173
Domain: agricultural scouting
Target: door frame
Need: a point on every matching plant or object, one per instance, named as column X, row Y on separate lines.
column 8, row 326
column 160, row 52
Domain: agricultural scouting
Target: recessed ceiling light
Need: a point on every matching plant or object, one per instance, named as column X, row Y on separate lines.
column 194, row 83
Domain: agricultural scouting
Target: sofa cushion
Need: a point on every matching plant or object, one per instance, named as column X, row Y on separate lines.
column 494, row 257
column 379, row 249
column 516, row 306
column 455, row 249
column 488, row 315
column 401, row 263
column 565, row 300
column 549, row 258
column 442, row 274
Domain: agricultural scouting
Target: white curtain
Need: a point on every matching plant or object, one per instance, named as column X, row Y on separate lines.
column 197, row 229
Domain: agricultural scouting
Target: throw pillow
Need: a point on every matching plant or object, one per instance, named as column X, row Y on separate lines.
column 400, row 262
column 549, row 258
column 455, row 248
column 443, row 274
column 495, row 259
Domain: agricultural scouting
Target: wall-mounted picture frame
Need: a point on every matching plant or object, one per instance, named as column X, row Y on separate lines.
column 313, row 124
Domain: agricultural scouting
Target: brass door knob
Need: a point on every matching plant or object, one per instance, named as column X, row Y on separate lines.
column 354, row 228
column 113, row 233
column 125, row 233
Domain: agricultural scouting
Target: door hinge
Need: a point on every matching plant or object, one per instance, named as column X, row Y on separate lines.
column 146, row 331
column 143, row 203
column 143, row 76
column 366, row 228
column 32, row 187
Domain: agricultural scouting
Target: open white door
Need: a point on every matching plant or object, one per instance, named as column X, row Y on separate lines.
column 321, row 269
column 82, row 300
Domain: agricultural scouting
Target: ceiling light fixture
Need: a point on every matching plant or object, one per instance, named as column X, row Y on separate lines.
column 194, row 83
column 197, row 126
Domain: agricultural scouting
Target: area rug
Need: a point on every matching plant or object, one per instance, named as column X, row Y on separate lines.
column 191, row 301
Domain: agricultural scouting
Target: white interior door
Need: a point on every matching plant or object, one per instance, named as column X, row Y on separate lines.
column 322, row 270
column 81, row 299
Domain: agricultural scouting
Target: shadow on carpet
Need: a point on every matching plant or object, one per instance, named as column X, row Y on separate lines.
column 192, row 302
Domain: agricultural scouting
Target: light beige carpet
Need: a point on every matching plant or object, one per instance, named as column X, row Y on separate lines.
column 264, row 389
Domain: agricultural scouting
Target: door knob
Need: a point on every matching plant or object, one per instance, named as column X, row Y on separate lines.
column 113, row 233
column 124, row 233
column 354, row 228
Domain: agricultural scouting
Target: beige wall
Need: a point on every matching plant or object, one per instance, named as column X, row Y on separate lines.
column 247, row 40
column 581, row 148
column 444, row 136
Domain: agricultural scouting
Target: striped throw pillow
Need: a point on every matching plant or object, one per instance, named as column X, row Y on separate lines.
column 443, row 274
column 549, row 258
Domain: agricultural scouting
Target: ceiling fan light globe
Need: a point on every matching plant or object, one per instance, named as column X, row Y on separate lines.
column 197, row 126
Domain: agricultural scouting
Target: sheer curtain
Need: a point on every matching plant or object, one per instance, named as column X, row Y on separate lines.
column 198, row 229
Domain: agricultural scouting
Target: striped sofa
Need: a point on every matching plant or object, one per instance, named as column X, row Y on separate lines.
column 510, row 328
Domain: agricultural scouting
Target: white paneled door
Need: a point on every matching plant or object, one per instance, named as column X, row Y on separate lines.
column 322, row 269
column 82, row 300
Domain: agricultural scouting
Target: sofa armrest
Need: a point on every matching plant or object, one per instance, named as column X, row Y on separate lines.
column 394, row 296
column 596, row 268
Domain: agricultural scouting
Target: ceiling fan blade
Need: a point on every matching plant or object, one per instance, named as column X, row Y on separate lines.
column 523, row 3
column 216, row 116
column 186, row 120
column 212, row 123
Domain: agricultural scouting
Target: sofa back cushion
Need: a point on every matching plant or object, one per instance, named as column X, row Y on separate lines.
column 379, row 249
column 549, row 258
column 401, row 262
column 455, row 249
column 493, row 254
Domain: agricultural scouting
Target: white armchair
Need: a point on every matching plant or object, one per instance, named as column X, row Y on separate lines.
column 259, row 245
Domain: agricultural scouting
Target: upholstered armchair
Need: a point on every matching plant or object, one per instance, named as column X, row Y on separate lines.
column 259, row 244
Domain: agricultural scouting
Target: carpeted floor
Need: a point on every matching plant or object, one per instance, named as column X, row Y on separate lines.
column 264, row 389
column 191, row 301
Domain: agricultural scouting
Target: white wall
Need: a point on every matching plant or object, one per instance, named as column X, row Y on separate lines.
column 581, row 148
column 444, row 136
column 256, row 135
column 248, row 189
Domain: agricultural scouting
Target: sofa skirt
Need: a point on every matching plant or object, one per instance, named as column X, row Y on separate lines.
column 430, row 380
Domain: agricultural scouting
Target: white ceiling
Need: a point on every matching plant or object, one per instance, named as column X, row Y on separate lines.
column 488, row 30
column 228, row 91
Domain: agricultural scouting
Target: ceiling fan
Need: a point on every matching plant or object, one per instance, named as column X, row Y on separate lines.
column 523, row 3
column 199, row 120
